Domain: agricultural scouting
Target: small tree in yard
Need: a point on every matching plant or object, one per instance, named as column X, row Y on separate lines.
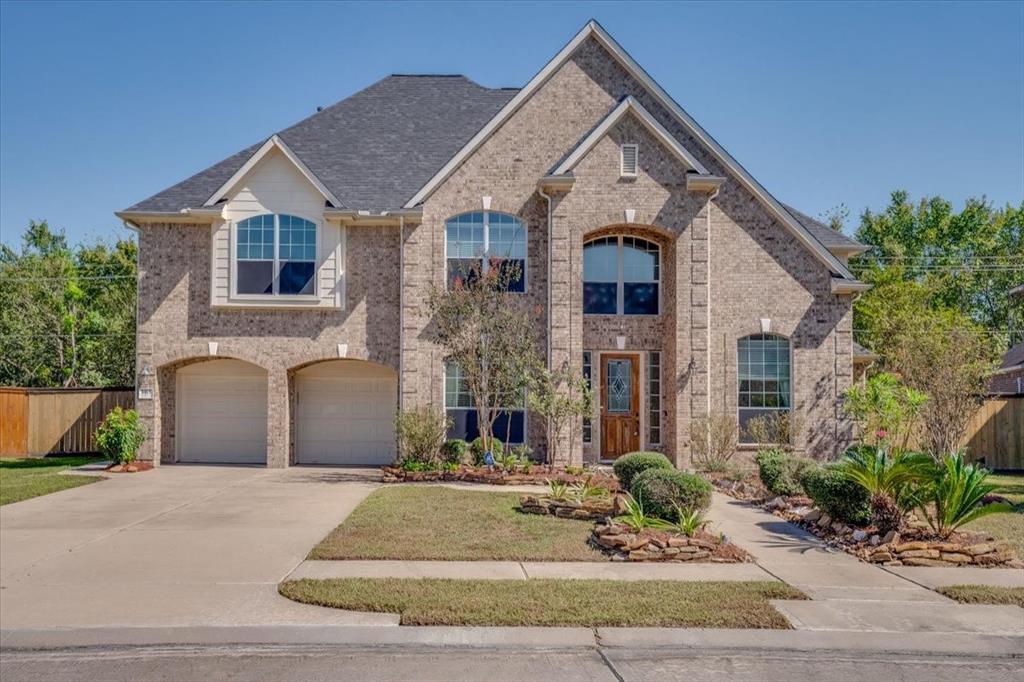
column 951, row 362
column 488, row 333
column 562, row 396
column 420, row 433
column 713, row 440
column 886, row 410
column 120, row 436
column 776, row 429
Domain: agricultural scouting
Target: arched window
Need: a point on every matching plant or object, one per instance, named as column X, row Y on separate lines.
column 764, row 379
column 621, row 276
column 287, row 270
column 477, row 242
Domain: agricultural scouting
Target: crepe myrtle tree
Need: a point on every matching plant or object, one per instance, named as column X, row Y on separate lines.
column 562, row 396
column 488, row 332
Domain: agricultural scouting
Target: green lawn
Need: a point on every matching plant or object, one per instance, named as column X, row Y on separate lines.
column 421, row 522
column 587, row 603
column 1009, row 527
column 22, row 479
column 983, row 594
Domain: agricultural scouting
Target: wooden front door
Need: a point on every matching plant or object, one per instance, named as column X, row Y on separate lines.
column 620, row 404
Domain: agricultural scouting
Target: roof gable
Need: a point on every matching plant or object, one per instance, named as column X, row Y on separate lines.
column 628, row 105
column 594, row 30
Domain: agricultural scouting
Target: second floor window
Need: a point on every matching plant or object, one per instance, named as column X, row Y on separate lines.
column 621, row 276
column 477, row 242
column 276, row 255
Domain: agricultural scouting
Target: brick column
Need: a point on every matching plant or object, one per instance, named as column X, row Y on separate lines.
column 278, row 422
column 697, row 300
column 843, row 380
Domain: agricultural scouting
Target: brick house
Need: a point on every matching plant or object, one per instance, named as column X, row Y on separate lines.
column 283, row 291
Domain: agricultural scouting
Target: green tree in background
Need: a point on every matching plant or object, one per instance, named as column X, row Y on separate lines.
column 67, row 315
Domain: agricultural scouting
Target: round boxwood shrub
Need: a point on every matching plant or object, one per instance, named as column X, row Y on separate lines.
column 780, row 472
column 661, row 490
column 628, row 467
column 837, row 495
column 454, row 451
column 476, row 448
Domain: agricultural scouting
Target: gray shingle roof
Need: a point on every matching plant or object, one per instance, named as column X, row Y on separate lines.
column 861, row 352
column 828, row 237
column 373, row 150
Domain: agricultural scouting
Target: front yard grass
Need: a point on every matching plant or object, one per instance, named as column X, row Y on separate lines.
column 984, row 594
column 419, row 522
column 25, row 478
column 587, row 603
column 1009, row 527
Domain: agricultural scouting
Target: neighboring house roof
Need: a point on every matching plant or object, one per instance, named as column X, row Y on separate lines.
column 832, row 239
column 1009, row 378
column 372, row 150
column 1017, row 290
column 862, row 354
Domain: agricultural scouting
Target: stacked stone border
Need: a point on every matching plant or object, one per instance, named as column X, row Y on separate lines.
column 538, row 475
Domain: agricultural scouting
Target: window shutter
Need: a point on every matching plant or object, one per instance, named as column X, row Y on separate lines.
column 630, row 152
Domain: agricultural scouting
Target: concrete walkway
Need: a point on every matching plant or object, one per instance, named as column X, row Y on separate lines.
column 849, row 594
column 515, row 570
column 176, row 546
column 932, row 577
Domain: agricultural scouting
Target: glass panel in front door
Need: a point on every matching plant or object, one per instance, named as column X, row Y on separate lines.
column 620, row 387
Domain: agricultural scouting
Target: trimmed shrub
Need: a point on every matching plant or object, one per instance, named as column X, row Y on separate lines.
column 454, row 451
column 837, row 494
column 420, row 433
column 780, row 472
column 663, row 491
column 628, row 467
column 120, row 436
column 476, row 448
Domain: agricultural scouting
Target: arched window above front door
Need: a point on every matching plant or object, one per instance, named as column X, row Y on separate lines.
column 621, row 276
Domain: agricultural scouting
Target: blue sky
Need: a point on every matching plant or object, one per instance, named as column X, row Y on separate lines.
column 102, row 105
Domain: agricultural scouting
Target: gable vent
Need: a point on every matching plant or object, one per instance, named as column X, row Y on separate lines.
column 629, row 155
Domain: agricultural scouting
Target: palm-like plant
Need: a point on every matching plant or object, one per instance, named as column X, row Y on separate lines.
column 635, row 517
column 687, row 522
column 558, row 490
column 953, row 496
column 585, row 489
column 891, row 478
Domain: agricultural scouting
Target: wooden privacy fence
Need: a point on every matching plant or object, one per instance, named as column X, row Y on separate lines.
column 43, row 421
column 995, row 435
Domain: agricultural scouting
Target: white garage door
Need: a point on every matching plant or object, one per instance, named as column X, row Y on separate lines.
column 345, row 413
column 222, row 413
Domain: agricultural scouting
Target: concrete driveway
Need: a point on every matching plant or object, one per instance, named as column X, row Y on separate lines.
column 177, row 546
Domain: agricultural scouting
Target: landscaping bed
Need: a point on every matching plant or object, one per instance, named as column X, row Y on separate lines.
column 586, row 603
column 535, row 475
column 439, row 523
column 622, row 543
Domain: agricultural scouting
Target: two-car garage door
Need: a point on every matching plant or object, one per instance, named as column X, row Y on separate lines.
column 344, row 413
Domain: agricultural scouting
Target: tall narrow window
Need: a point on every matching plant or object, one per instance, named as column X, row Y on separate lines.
column 476, row 243
column 509, row 427
column 764, row 378
column 275, row 255
column 654, row 398
column 588, row 432
column 621, row 276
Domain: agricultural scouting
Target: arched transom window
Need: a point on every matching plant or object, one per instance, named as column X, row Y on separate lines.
column 621, row 276
column 275, row 255
column 478, row 242
column 764, row 379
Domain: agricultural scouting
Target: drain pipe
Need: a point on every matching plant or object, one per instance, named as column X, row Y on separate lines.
column 401, row 305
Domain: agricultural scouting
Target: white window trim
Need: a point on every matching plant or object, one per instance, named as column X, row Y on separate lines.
column 736, row 392
column 661, row 397
column 484, row 265
column 620, row 284
column 444, row 403
column 622, row 160
column 275, row 297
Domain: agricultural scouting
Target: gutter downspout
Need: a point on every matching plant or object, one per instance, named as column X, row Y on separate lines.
column 707, row 342
column 401, row 304
column 547, row 199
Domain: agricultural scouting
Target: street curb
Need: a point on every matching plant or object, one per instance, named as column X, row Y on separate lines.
column 523, row 638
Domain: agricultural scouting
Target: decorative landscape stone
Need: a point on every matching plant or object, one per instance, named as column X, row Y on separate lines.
column 536, row 475
column 589, row 510
column 622, row 543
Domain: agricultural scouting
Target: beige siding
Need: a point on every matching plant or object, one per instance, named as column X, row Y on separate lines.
column 275, row 185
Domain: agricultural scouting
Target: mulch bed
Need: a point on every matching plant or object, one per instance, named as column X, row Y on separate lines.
column 914, row 545
column 129, row 468
column 538, row 474
column 622, row 543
